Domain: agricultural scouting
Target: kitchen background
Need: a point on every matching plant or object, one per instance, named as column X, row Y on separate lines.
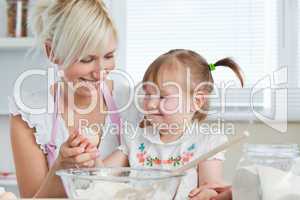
column 263, row 36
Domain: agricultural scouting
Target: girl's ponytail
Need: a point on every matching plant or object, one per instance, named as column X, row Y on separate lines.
column 230, row 63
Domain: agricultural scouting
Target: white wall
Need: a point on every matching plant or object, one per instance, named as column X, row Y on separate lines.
column 6, row 159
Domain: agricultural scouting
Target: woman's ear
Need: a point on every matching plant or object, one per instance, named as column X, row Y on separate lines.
column 48, row 49
column 49, row 52
column 198, row 100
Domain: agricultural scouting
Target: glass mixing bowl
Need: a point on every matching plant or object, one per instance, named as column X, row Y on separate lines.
column 120, row 183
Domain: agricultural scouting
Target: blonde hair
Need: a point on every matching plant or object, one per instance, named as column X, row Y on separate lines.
column 75, row 28
column 199, row 70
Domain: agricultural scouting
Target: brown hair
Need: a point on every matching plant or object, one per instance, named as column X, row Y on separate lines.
column 199, row 72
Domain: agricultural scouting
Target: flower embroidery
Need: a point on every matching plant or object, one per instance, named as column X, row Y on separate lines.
column 141, row 157
column 176, row 161
column 148, row 160
column 192, row 147
column 187, row 156
column 142, row 147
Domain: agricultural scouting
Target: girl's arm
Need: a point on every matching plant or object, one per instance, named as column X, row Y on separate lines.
column 31, row 163
column 210, row 175
column 116, row 159
column 210, row 171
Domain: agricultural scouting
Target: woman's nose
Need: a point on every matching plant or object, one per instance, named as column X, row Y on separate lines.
column 96, row 75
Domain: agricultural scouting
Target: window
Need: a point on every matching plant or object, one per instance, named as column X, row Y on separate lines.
column 294, row 65
column 250, row 31
column 213, row 28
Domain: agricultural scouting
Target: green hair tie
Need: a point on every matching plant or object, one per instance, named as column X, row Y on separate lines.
column 212, row 67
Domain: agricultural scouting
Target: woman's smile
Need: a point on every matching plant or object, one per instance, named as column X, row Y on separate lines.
column 88, row 82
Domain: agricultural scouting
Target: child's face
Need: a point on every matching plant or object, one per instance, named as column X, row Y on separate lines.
column 86, row 72
column 169, row 105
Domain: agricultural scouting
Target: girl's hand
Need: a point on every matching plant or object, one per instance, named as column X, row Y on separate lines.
column 77, row 152
column 99, row 163
column 223, row 192
column 202, row 193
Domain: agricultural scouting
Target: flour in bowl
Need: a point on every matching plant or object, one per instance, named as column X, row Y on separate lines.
column 124, row 191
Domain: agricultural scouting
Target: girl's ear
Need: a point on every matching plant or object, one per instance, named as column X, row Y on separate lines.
column 198, row 100
column 49, row 52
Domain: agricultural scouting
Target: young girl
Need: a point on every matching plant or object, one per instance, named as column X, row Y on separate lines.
column 168, row 137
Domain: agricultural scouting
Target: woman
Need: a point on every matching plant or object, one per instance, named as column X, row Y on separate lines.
column 79, row 38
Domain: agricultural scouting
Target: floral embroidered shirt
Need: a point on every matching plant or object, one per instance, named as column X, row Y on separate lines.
column 145, row 149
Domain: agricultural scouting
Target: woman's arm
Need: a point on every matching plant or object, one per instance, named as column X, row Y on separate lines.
column 35, row 179
column 31, row 163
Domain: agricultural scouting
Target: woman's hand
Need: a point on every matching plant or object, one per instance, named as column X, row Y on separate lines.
column 77, row 152
column 8, row 196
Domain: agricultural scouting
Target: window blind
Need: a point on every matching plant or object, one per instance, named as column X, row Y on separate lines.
column 245, row 30
column 294, row 88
